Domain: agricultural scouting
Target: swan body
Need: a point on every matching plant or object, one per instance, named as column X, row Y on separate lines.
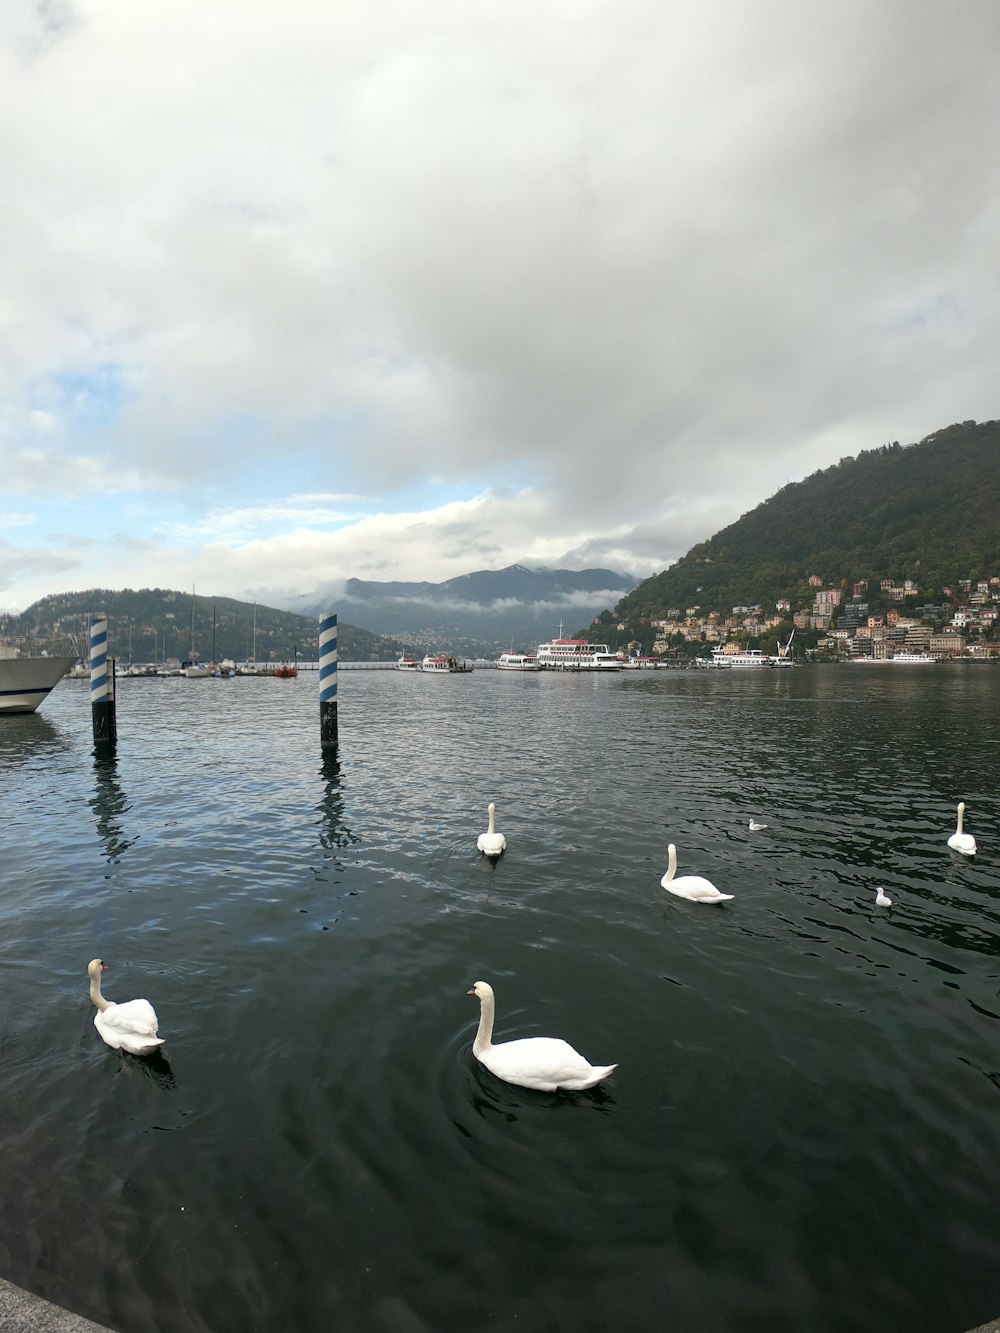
column 126, row 1027
column 882, row 899
column 695, row 887
column 545, row 1063
column 755, row 827
column 959, row 841
column 491, row 843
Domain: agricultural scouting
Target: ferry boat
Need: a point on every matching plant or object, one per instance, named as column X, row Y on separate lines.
column 25, row 681
column 749, row 659
column 408, row 664
column 577, row 655
column 443, row 664
column 517, row 662
column 899, row 659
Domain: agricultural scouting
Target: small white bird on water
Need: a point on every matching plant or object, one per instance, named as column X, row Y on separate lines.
column 695, row 887
column 755, row 827
column 131, row 1026
column 959, row 841
column 882, row 899
column 491, row 843
column 545, row 1063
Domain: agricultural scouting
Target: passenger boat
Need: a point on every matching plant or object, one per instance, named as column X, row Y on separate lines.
column 517, row 662
column 25, row 681
column 285, row 672
column 408, row 664
column 443, row 664
column 898, row 659
column 748, row 659
column 577, row 655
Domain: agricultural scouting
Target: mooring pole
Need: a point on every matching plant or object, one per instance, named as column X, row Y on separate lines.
column 328, row 682
column 102, row 683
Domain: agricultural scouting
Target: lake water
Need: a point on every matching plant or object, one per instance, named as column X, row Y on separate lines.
column 804, row 1131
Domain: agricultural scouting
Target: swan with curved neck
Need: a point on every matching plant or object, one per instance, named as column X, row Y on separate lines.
column 491, row 843
column 755, row 827
column 695, row 887
column 959, row 841
column 131, row 1026
column 545, row 1063
column 882, row 899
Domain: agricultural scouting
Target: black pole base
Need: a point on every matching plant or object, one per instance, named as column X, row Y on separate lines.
column 105, row 730
column 328, row 724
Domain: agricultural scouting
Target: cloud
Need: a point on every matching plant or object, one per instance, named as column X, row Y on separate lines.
column 641, row 264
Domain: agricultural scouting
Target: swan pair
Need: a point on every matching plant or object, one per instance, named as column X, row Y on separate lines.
column 131, row 1026
column 544, row 1063
column 959, row 841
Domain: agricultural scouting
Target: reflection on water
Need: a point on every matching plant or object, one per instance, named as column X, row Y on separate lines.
column 110, row 805
column 797, row 1074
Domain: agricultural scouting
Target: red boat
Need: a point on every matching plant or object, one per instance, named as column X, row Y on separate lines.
column 286, row 672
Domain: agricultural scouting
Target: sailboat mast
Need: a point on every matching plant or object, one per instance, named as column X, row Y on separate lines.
column 191, row 649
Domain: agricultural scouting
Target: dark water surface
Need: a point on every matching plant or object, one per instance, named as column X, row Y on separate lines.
column 804, row 1132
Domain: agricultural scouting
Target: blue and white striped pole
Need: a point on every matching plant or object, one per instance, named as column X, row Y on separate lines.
column 102, row 683
column 328, row 682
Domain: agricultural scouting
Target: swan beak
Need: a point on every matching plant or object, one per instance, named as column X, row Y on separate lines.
column 104, row 967
column 471, row 992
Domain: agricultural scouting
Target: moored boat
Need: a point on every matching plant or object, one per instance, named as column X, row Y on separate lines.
column 444, row 664
column 25, row 681
column 408, row 664
column 747, row 659
column 517, row 662
column 577, row 655
column 898, row 659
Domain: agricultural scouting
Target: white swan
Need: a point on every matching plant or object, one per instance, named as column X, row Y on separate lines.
column 882, row 899
column 546, row 1063
column 127, row 1027
column 755, row 827
column 959, row 841
column 695, row 887
column 491, row 843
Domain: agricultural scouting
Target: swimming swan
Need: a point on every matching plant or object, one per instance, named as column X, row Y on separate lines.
column 491, row 843
column 127, row 1027
column 695, row 887
column 755, row 827
column 882, row 899
column 546, row 1063
column 959, row 841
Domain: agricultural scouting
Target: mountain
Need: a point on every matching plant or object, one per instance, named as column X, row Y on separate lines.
column 483, row 612
column 156, row 623
column 929, row 512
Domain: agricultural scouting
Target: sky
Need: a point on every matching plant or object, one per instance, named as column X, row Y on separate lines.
column 299, row 292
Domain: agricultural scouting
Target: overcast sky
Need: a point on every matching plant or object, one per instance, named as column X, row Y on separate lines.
column 298, row 292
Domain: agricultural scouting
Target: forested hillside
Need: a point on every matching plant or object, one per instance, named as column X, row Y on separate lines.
column 152, row 624
column 929, row 511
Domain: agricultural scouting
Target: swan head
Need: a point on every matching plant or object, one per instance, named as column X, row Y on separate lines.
column 482, row 990
column 95, row 967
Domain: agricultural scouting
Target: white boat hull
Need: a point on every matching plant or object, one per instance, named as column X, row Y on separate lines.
column 517, row 662
column 25, row 681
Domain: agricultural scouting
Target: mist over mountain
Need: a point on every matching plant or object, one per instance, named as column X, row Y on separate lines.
column 482, row 612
